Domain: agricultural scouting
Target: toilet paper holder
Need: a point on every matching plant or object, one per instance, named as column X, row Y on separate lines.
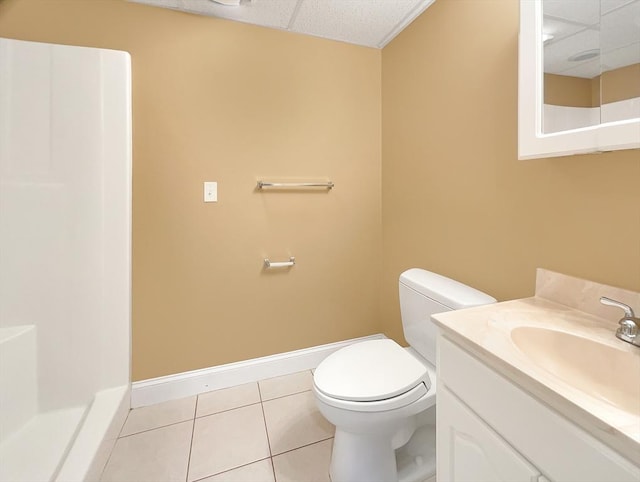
column 268, row 264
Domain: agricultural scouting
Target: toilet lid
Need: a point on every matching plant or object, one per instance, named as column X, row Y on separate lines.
column 369, row 371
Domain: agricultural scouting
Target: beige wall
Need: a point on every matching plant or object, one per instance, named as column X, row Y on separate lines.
column 621, row 84
column 215, row 100
column 618, row 84
column 221, row 101
column 568, row 91
column 455, row 198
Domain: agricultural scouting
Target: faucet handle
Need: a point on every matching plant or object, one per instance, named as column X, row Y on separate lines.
column 629, row 324
column 627, row 329
column 628, row 311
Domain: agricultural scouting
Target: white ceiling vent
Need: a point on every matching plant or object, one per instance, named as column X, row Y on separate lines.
column 370, row 23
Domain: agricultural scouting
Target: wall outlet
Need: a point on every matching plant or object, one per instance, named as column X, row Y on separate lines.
column 210, row 192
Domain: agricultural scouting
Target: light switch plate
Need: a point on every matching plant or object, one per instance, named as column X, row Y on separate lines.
column 210, row 192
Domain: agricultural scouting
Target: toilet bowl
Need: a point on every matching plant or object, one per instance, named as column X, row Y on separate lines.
column 381, row 397
column 374, row 411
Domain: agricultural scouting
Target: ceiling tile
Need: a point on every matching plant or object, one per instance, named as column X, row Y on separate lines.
column 586, row 12
column 587, row 69
column 371, row 23
column 609, row 5
column 557, row 53
column 560, row 28
column 621, row 27
column 363, row 22
column 621, row 57
column 617, row 37
column 268, row 13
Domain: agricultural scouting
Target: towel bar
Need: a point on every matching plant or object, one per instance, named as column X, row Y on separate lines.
column 325, row 184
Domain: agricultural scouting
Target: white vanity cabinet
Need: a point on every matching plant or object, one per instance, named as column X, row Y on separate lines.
column 472, row 451
column 489, row 430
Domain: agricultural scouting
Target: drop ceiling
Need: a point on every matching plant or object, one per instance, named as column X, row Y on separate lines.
column 370, row 23
column 577, row 26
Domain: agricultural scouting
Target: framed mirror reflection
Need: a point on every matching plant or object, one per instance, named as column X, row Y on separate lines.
column 579, row 77
column 591, row 62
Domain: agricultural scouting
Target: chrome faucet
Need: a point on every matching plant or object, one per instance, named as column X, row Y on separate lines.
column 629, row 325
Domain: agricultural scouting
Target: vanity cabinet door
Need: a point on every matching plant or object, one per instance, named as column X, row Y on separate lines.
column 561, row 449
column 468, row 450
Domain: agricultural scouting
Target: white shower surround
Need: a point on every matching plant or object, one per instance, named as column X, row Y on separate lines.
column 559, row 118
column 65, row 257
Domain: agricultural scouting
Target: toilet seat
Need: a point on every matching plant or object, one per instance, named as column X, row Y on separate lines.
column 417, row 393
column 371, row 376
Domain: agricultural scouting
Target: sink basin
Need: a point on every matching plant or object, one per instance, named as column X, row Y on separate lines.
column 594, row 368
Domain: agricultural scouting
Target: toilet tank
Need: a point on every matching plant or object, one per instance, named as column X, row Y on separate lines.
column 422, row 294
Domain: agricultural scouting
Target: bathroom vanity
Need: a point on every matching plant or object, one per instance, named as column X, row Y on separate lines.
column 537, row 390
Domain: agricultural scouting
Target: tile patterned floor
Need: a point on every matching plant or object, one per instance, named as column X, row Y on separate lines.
column 269, row 431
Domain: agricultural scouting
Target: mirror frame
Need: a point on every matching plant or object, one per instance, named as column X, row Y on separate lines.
column 533, row 143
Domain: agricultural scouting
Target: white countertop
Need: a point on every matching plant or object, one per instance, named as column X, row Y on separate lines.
column 486, row 331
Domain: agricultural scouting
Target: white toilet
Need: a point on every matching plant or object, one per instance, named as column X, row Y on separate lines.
column 381, row 397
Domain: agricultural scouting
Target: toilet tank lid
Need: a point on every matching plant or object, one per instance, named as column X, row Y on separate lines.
column 446, row 291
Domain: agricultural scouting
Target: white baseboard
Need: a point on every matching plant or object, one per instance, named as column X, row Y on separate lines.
column 171, row 387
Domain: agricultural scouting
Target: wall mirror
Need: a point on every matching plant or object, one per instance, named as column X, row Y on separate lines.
column 579, row 77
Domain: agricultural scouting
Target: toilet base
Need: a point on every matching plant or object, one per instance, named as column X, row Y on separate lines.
column 416, row 461
column 356, row 458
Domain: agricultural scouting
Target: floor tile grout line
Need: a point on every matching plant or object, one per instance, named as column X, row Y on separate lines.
column 260, row 460
column 193, row 431
column 288, row 395
column 195, row 417
column 273, row 469
column 208, row 414
column 302, row 446
column 228, row 409
column 214, row 413
column 264, row 421
column 231, row 469
column 310, row 370
column 155, row 428
column 266, row 431
column 125, row 422
column 104, row 468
